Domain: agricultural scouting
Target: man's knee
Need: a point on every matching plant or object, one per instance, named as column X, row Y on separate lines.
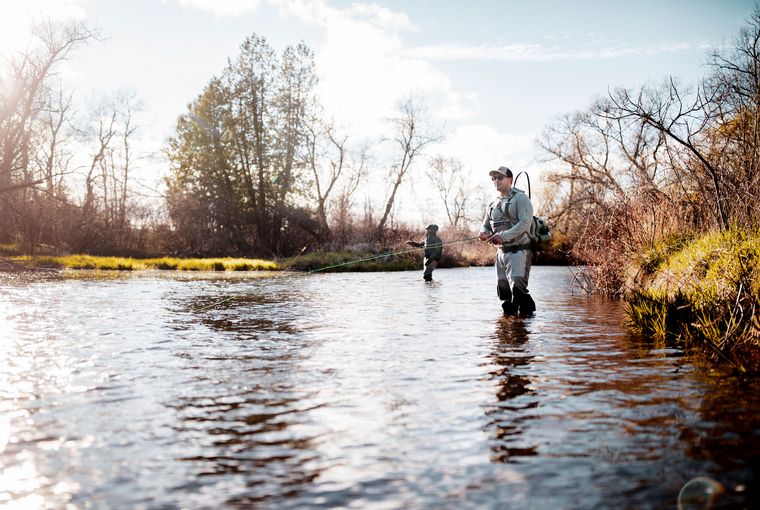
column 520, row 283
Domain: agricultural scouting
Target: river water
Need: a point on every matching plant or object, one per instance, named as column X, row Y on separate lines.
column 354, row 390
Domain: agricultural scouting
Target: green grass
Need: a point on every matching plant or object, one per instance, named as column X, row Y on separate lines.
column 165, row 263
column 704, row 292
column 352, row 261
column 323, row 261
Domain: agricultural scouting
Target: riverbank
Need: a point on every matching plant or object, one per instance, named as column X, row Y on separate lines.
column 358, row 260
column 702, row 292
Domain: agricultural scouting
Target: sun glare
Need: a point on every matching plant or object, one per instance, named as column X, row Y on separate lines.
column 16, row 19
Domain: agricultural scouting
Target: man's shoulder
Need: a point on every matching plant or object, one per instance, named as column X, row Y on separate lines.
column 496, row 200
column 518, row 194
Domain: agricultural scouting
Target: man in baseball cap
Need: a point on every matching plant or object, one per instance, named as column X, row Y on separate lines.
column 506, row 225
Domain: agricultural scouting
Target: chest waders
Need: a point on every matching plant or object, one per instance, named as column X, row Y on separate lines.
column 513, row 264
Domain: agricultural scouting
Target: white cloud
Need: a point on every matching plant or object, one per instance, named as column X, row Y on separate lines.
column 223, row 7
column 364, row 68
column 481, row 148
column 540, row 53
column 16, row 19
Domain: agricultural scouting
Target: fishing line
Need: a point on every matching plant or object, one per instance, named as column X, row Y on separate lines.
column 335, row 266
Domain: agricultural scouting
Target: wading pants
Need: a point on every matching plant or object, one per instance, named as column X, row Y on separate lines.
column 430, row 264
column 512, row 272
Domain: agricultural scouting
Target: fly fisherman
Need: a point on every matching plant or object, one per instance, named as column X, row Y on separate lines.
column 506, row 225
column 433, row 250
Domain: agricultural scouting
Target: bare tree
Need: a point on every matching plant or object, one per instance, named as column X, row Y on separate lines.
column 410, row 139
column 685, row 123
column 28, row 96
column 337, row 172
column 325, row 179
column 447, row 176
column 343, row 205
column 614, row 189
column 33, row 114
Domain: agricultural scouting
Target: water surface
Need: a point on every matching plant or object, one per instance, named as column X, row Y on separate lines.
column 352, row 390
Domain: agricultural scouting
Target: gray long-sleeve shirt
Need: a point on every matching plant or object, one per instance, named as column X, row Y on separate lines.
column 510, row 218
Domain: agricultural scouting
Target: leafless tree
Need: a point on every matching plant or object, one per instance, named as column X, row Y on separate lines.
column 26, row 96
column 34, row 113
column 448, row 179
column 410, row 138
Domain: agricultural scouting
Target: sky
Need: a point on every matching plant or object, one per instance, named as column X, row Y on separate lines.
column 492, row 73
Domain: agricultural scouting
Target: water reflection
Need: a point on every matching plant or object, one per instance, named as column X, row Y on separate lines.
column 259, row 433
column 509, row 416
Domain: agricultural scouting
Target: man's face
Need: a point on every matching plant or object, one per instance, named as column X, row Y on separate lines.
column 501, row 183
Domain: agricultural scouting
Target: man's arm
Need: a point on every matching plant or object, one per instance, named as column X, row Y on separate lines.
column 485, row 229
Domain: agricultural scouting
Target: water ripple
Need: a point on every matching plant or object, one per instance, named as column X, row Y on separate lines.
column 163, row 390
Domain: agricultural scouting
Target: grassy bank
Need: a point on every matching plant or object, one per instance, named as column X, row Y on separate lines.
column 131, row 264
column 339, row 261
column 321, row 261
column 400, row 258
column 702, row 292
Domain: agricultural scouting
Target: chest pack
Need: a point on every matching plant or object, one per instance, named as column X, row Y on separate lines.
column 539, row 233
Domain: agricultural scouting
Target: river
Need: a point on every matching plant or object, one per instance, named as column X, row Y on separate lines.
column 354, row 390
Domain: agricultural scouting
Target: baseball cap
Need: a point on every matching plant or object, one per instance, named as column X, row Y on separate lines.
column 502, row 170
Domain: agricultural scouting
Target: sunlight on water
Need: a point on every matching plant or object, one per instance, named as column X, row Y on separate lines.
column 363, row 390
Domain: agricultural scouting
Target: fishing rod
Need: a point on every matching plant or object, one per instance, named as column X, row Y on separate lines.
column 342, row 264
column 391, row 254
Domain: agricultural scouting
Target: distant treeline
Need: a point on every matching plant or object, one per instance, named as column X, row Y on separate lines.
column 255, row 169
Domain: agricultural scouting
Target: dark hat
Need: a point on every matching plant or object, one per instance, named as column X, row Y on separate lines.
column 502, row 170
column 432, row 227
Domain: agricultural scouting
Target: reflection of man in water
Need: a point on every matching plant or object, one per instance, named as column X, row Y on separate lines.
column 506, row 224
column 506, row 419
column 433, row 250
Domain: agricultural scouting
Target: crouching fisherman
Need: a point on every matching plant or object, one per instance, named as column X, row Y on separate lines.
column 506, row 225
column 433, row 250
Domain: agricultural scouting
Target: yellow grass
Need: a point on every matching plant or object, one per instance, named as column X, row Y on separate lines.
column 131, row 264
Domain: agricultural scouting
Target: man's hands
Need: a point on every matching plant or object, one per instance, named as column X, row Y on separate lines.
column 494, row 239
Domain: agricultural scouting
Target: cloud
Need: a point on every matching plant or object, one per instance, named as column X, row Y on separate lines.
column 364, row 68
column 540, row 53
column 16, row 19
column 223, row 8
column 483, row 147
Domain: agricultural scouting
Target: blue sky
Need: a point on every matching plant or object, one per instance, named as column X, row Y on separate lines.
column 494, row 72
